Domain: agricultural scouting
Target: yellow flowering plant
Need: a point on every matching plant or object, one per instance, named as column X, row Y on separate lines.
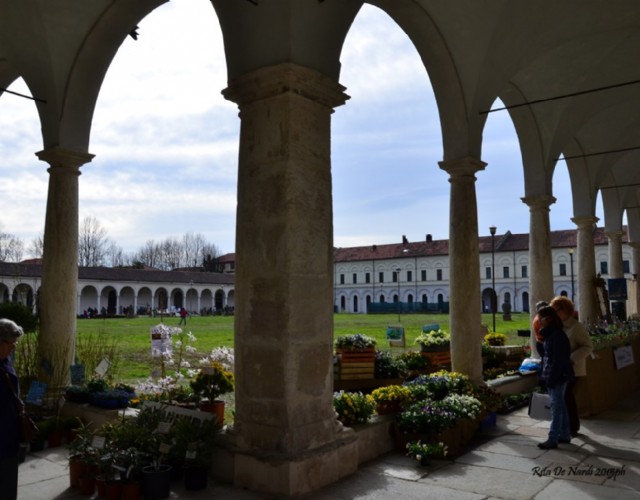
column 387, row 393
column 353, row 407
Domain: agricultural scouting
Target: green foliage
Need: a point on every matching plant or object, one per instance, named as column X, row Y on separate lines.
column 19, row 314
column 387, row 366
column 212, row 381
column 424, row 452
column 353, row 407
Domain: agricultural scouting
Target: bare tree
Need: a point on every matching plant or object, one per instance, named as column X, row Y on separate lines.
column 172, row 254
column 210, row 258
column 116, row 256
column 36, row 247
column 11, row 247
column 193, row 246
column 93, row 243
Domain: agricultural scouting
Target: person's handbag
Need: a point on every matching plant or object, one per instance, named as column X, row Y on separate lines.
column 540, row 406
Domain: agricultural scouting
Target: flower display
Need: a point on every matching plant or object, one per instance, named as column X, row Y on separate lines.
column 389, row 393
column 356, row 342
column 353, row 407
column 433, row 338
column 433, row 417
column 439, row 384
column 424, row 452
column 495, row 339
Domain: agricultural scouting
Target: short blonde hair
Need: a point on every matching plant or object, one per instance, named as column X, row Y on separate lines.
column 563, row 304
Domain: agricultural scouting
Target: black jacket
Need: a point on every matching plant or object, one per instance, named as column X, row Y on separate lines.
column 556, row 361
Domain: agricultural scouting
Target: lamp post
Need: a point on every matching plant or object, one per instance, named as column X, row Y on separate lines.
column 494, row 300
column 398, row 280
column 572, row 284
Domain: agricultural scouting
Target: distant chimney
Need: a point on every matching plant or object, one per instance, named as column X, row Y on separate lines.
column 429, row 238
column 404, row 240
column 374, row 247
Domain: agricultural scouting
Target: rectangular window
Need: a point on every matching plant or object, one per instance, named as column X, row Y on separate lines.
column 380, row 277
column 563, row 269
column 625, row 267
column 394, row 277
column 409, row 276
column 439, row 274
column 505, row 272
column 355, row 278
column 524, row 271
column 604, row 267
column 487, row 273
column 423, row 275
column 342, row 279
column 367, row 278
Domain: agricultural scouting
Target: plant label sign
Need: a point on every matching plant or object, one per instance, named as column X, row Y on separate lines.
column 623, row 356
column 102, row 367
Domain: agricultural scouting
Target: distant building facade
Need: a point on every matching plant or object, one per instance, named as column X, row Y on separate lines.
column 417, row 273
column 124, row 291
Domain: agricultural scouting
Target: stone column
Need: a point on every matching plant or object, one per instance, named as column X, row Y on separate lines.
column 58, row 293
column 464, row 268
column 540, row 260
column 635, row 246
column 587, row 304
column 285, row 429
column 616, row 270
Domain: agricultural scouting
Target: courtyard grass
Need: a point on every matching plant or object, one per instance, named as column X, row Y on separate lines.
column 131, row 336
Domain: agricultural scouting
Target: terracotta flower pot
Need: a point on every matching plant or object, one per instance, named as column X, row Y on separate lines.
column 217, row 409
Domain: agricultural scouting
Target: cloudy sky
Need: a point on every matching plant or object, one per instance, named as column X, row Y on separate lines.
column 166, row 144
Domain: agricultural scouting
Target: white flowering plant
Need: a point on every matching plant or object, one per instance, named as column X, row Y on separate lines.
column 424, row 452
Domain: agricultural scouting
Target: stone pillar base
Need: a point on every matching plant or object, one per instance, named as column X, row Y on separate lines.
column 287, row 476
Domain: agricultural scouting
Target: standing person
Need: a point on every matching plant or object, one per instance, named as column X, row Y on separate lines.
column 183, row 316
column 536, row 327
column 556, row 373
column 581, row 348
column 10, row 409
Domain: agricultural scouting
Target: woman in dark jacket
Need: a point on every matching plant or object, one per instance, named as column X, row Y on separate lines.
column 9, row 411
column 556, row 373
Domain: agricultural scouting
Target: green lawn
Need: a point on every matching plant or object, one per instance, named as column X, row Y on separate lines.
column 129, row 339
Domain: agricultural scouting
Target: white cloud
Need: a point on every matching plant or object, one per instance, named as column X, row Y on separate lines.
column 166, row 144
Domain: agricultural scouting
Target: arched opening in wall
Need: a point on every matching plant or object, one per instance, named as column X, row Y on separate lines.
column 382, row 299
column 164, row 137
column 386, row 140
column 368, row 302
column 219, row 300
column 425, row 299
column 112, row 301
column 525, row 302
column 564, row 293
column 355, row 304
column 23, row 201
column 343, row 303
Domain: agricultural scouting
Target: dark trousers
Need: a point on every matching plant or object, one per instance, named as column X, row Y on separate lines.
column 9, row 478
column 572, row 407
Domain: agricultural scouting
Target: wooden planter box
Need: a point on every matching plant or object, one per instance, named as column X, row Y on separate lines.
column 356, row 365
column 438, row 358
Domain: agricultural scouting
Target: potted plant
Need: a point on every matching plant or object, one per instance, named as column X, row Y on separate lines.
column 353, row 407
column 355, row 343
column 424, row 452
column 390, row 398
column 433, row 341
column 192, row 450
column 209, row 384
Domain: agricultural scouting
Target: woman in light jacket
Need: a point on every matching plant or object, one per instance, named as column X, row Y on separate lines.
column 581, row 348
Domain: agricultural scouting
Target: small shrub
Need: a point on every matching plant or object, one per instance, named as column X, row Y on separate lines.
column 353, row 407
column 495, row 339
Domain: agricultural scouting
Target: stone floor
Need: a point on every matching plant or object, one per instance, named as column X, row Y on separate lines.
column 503, row 462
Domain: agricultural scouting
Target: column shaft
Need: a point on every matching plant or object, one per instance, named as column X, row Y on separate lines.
column 284, row 282
column 540, row 260
column 58, row 293
column 464, row 268
column 616, row 267
column 587, row 300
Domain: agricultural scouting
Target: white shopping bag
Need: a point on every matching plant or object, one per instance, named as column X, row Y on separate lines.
column 540, row 406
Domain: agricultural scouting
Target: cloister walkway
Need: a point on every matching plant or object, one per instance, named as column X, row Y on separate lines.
column 503, row 462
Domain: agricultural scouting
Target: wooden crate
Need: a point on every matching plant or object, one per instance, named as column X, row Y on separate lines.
column 440, row 358
column 357, row 365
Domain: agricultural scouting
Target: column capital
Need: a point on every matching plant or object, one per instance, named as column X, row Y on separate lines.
column 271, row 81
column 614, row 235
column 63, row 157
column 585, row 221
column 539, row 202
column 466, row 166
